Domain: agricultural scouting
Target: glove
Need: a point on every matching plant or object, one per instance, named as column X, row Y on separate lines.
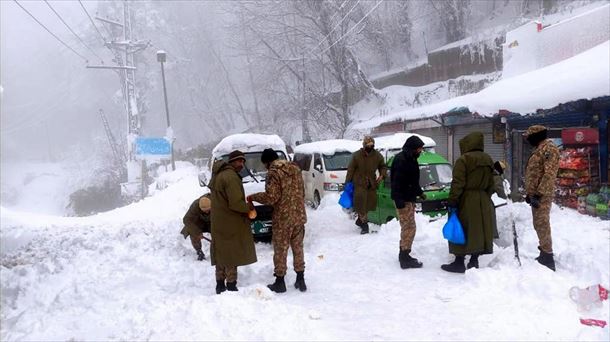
column 423, row 196
column 535, row 201
column 400, row 204
column 249, row 199
column 527, row 199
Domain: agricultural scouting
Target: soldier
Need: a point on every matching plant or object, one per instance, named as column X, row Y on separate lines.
column 232, row 242
column 361, row 171
column 540, row 175
column 284, row 190
column 470, row 196
column 196, row 222
column 405, row 190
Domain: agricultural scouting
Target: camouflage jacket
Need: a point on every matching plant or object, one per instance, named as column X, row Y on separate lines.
column 284, row 190
column 541, row 170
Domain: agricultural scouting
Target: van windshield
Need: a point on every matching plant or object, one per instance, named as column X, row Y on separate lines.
column 254, row 164
column 338, row 161
column 435, row 176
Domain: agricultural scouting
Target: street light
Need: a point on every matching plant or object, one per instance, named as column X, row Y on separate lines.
column 161, row 57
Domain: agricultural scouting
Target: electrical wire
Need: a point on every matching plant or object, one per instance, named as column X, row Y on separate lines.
column 92, row 22
column 353, row 27
column 74, row 33
column 334, row 28
column 53, row 34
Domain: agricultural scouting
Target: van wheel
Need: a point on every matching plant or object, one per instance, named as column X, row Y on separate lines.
column 316, row 200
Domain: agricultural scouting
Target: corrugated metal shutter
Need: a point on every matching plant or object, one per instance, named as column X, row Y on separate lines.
column 495, row 151
column 439, row 135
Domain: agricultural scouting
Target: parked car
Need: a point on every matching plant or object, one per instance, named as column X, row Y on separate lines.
column 324, row 166
column 435, row 179
column 390, row 145
column 253, row 174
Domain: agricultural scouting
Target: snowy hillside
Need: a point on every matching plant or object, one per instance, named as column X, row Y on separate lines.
column 128, row 275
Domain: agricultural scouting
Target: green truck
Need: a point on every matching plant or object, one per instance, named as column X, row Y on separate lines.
column 434, row 178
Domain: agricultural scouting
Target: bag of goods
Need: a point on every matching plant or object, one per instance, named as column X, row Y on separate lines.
column 582, row 204
column 574, row 163
column 569, row 173
column 602, row 210
column 592, row 200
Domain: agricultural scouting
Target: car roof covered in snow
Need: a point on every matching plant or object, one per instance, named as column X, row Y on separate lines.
column 396, row 140
column 329, row 147
column 249, row 142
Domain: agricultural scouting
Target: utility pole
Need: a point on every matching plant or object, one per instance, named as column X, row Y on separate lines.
column 304, row 126
column 161, row 57
column 124, row 49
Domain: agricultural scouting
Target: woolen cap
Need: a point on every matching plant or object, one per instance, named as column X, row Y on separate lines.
column 268, row 156
column 235, row 155
column 205, row 203
column 368, row 140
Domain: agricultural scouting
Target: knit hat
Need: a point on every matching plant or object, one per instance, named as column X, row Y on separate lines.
column 534, row 129
column 368, row 140
column 413, row 143
column 268, row 156
column 235, row 155
column 205, row 203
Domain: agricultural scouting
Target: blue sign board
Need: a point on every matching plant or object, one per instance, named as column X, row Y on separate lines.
column 159, row 147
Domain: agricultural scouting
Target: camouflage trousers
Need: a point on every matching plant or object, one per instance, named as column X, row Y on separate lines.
column 284, row 237
column 196, row 242
column 406, row 217
column 542, row 224
column 226, row 272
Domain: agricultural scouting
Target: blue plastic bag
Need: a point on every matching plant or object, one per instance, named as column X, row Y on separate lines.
column 347, row 196
column 453, row 231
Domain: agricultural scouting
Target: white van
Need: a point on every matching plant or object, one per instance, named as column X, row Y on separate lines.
column 254, row 172
column 390, row 145
column 324, row 166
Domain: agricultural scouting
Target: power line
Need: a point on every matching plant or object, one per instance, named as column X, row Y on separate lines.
column 334, row 28
column 74, row 33
column 353, row 27
column 53, row 34
column 92, row 22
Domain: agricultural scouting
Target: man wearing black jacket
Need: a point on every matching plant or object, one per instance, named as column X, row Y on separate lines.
column 405, row 189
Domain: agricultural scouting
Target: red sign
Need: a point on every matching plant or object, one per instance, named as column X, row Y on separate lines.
column 580, row 136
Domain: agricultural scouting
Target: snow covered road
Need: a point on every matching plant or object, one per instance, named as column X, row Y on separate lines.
column 128, row 275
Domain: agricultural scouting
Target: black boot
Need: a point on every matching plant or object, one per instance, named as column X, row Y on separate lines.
column 220, row 286
column 200, row 255
column 455, row 267
column 279, row 286
column 473, row 262
column 232, row 286
column 365, row 228
column 300, row 283
column 358, row 222
column 407, row 261
column 547, row 260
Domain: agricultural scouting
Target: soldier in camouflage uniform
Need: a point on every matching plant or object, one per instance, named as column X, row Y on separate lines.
column 540, row 175
column 196, row 222
column 284, row 190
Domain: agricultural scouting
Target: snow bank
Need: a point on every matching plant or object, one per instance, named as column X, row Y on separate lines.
column 585, row 76
column 129, row 275
column 329, row 147
column 248, row 142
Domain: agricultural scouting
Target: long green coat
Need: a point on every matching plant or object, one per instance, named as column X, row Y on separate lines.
column 471, row 190
column 361, row 171
column 232, row 241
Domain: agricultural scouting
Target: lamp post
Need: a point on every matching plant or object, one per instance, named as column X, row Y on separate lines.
column 161, row 57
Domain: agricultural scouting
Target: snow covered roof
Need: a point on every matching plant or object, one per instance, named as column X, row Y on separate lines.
column 584, row 76
column 329, row 147
column 248, row 142
column 396, row 140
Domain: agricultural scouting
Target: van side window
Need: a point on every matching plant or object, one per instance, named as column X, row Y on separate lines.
column 317, row 160
column 303, row 160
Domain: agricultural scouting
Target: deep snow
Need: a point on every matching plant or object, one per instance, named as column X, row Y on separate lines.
column 128, row 275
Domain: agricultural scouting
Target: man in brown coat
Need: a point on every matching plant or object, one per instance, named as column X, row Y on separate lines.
column 284, row 190
column 361, row 172
column 540, row 175
column 196, row 222
column 232, row 241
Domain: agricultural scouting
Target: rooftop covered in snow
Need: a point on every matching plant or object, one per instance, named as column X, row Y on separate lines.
column 329, row 147
column 249, row 142
column 584, row 76
column 396, row 140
